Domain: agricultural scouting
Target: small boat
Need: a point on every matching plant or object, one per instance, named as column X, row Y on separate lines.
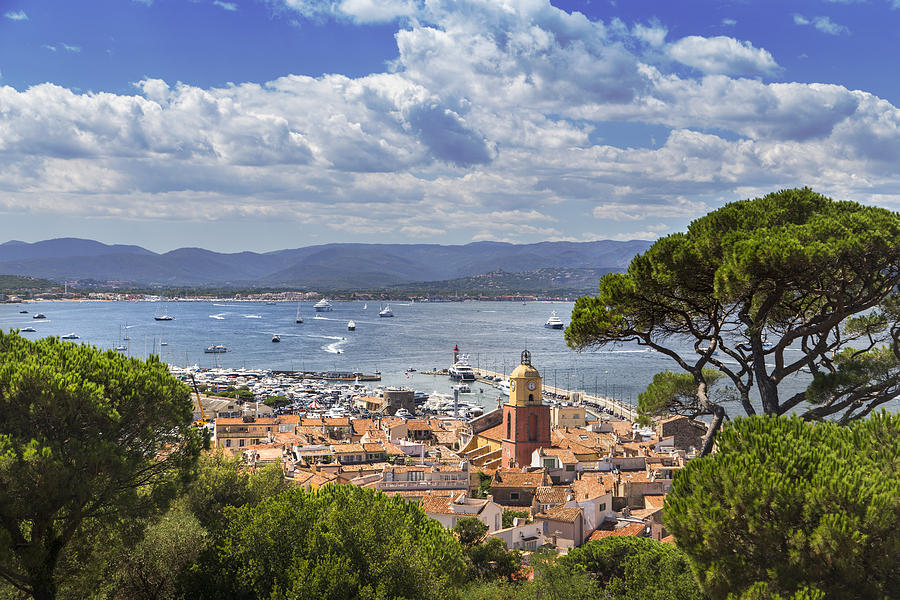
column 554, row 322
column 70, row 336
column 23, row 312
column 216, row 349
column 299, row 319
column 39, row 316
column 366, row 306
column 351, row 326
column 28, row 330
column 323, row 305
column 463, row 388
column 276, row 337
column 386, row 312
column 162, row 343
column 121, row 348
column 271, row 303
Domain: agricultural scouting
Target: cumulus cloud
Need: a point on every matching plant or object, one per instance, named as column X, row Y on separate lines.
column 71, row 48
column 16, row 15
column 723, row 55
column 490, row 109
column 229, row 6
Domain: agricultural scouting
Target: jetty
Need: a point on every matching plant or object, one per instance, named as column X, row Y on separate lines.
column 618, row 408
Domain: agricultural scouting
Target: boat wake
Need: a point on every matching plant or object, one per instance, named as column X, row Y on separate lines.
column 220, row 316
column 229, row 305
column 335, row 346
column 252, row 316
column 323, row 318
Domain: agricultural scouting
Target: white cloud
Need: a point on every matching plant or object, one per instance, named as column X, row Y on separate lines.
column 729, row 22
column 229, row 6
column 16, row 15
column 70, row 48
column 49, row 47
column 723, row 56
column 488, row 110
column 823, row 24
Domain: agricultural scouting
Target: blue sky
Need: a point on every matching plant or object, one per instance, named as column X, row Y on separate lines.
column 266, row 124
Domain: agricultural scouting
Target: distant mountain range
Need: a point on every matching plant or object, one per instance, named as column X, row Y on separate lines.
column 324, row 267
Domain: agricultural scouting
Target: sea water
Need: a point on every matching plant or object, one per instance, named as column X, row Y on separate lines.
column 418, row 339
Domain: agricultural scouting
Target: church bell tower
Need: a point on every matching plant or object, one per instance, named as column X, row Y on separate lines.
column 526, row 420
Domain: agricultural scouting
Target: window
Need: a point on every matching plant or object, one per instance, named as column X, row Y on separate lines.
column 514, row 495
column 416, row 476
column 570, row 467
column 228, row 443
column 530, row 397
column 508, row 426
column 241, row 442
column 532, row 427
column 549, row 463
column 602, row 506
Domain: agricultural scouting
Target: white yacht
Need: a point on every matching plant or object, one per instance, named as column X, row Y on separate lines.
column 216, row 349
column 386, row 312
column 70, row 336
column 323, row 305
column 28, row 330
column 39, row 316
column 554, row 322
column 351, row 326
column 462, row 369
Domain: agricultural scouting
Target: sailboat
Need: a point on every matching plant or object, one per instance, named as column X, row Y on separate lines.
column 165, row 316
column 299, row 318
column 365, row 306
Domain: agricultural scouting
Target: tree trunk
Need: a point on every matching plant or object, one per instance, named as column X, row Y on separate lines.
column 708, row 440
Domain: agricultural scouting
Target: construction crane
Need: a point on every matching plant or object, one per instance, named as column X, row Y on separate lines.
column 202, row 421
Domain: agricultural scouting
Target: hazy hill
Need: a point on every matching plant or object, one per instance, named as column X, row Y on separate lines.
column 328, row 266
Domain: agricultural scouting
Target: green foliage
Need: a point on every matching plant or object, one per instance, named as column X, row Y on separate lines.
column 157, row 566
column 630, row 567
column 338, row 542
column 750, row 284
column 80, row 438
column 673, row 392
column 222, row 482
column 275, row 401
column 510, row 514
column 793, row 505
column 470, row 531
column 760, row 591
column 484, row 485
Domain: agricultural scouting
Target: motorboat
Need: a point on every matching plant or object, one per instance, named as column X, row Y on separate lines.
column 216, row 349
column 23, row 312
column 162, row 343
column 276, row 337
column 121, row 348
column 462, row 369
column 386, row 312
column 39, row 316
column 69, row 336
column 28, row 330
column 299, row 319
column 554, row 322
column 323, row 305
column 366, row 306
column 351, row 326
column 463, row 388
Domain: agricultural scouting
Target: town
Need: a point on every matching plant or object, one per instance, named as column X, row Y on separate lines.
column 569, row 472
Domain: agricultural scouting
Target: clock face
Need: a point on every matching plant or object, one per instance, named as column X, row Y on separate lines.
column 531, row 385
column 512, row 385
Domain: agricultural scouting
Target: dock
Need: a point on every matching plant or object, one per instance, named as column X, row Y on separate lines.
column 617, row 408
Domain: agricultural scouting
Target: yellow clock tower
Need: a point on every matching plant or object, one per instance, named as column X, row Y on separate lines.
column 526, row 420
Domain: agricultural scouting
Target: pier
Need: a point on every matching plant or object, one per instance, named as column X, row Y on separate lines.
column 618, row 408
